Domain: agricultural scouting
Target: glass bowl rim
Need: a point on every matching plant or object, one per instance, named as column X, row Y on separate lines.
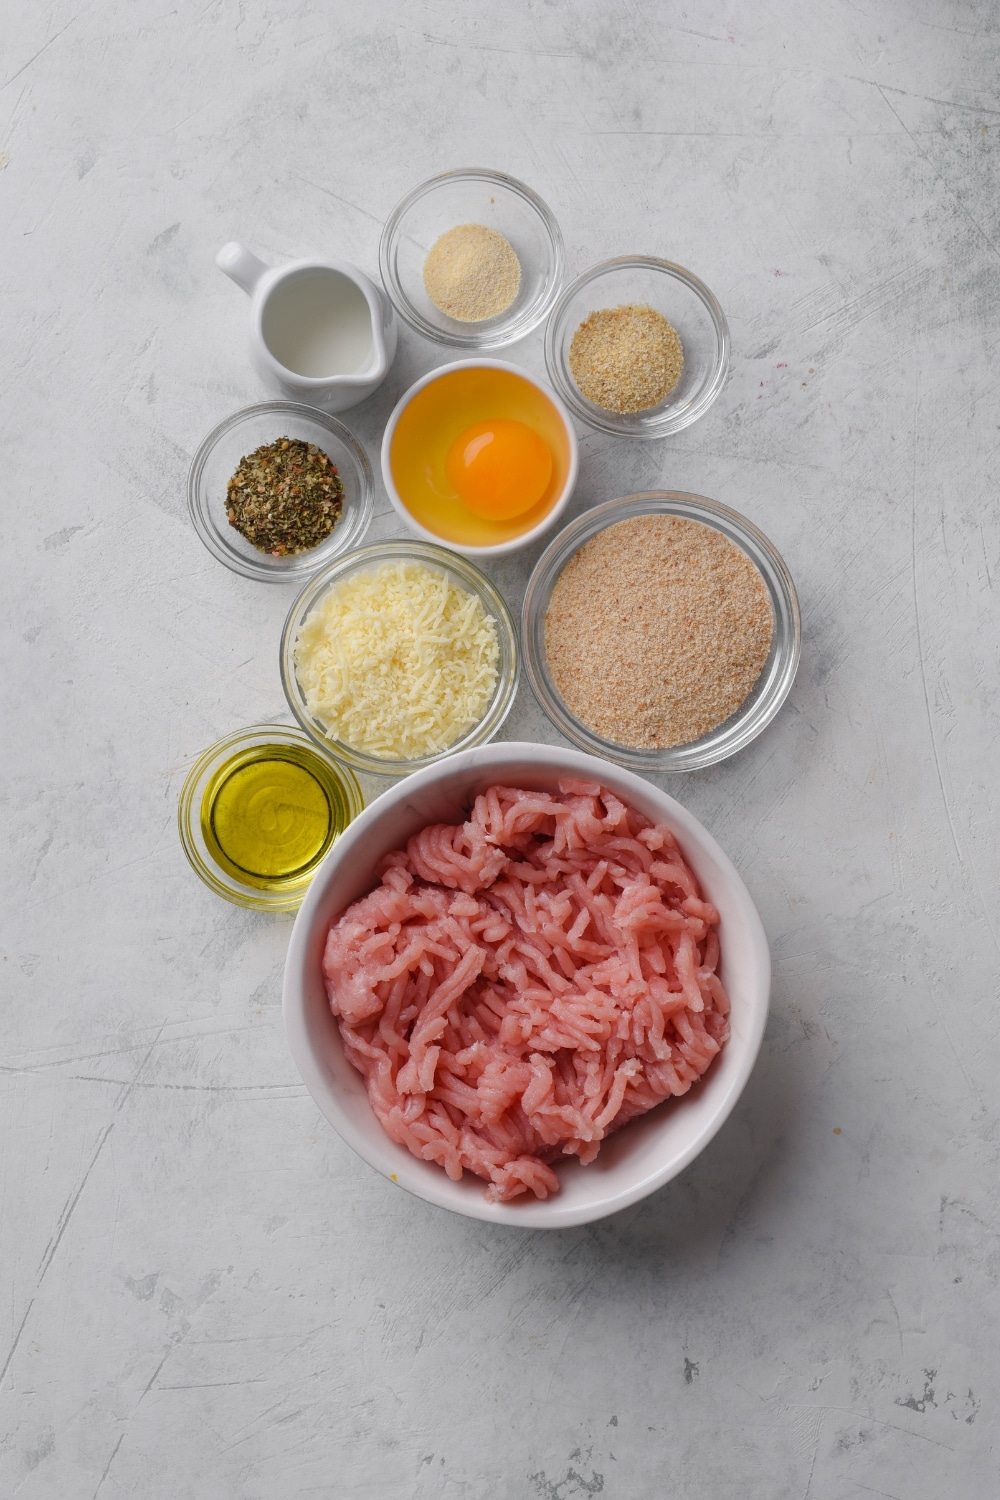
column 502, row 332
column 668, row 421
column 479, row 362
column 743, row 726
column 508, row 672
column 250, row 567
column 250, row 897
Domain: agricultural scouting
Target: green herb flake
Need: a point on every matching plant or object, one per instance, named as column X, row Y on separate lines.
column 285, row 497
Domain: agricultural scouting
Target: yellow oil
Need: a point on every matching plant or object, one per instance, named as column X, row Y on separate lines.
column 269, row 815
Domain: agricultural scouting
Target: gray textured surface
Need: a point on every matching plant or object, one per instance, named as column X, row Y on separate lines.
column 203, row 1293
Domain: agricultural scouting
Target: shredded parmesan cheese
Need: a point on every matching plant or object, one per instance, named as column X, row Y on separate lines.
column 398, row 661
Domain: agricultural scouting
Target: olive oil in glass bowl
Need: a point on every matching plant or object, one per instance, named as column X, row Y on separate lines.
column 260, row 810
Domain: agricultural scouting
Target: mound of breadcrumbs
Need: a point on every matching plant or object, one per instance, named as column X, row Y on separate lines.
column 657, row 630
column 626, row 359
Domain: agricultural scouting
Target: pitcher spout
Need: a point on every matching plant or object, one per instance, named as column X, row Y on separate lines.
column 384, row 333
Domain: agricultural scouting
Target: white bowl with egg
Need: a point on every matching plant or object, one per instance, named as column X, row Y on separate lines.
column 645, row 1154
column 436, row 414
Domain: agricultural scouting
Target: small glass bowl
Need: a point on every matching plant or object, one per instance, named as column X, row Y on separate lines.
column 684, row 301
column 773, row 684
column 218, row 458
column 210, row 771
column 472, row 197
column 468, row 577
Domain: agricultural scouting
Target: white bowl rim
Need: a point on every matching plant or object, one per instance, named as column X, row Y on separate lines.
column 500, row 549
column 435, row 1187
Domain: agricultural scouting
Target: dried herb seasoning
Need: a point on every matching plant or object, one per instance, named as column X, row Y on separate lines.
column 285, row 497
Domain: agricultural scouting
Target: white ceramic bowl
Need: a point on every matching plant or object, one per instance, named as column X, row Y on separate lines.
column 523, row 538
column 646, row 1153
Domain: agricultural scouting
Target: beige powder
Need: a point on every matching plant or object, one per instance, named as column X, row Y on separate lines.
column 657, row 630
column 626, row 359
column 472, row 273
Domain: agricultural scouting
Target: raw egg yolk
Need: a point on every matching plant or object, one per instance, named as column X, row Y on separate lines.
column 500, row 468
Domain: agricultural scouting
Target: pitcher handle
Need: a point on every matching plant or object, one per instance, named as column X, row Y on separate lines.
column 241, row 266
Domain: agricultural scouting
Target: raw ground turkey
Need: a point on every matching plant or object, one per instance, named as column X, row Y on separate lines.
column 521, row 985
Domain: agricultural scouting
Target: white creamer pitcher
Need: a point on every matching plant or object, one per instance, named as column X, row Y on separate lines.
column 320, row 330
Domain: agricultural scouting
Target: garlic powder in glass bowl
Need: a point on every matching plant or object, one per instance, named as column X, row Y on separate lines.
column 494, row 201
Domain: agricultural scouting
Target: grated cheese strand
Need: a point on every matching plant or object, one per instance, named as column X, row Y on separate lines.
column 398, row 661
